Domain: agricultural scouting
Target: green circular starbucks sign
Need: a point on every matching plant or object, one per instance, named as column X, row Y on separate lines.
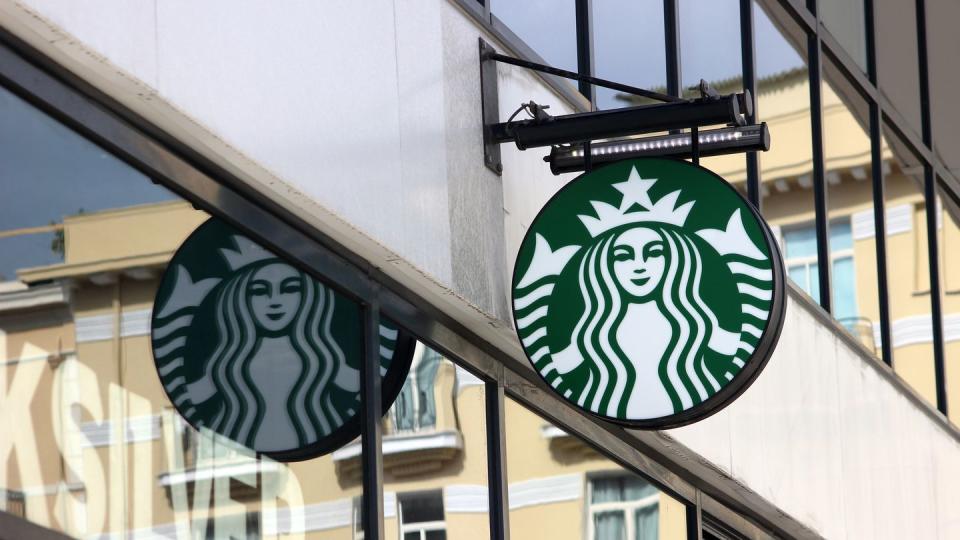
column 648, row 293
column 260, row 352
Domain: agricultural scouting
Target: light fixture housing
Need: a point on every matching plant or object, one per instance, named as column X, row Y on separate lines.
column 573, row 128
column 714, row 142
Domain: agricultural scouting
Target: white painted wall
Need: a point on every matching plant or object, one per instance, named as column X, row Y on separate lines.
column 372, row 110
column 823, row 435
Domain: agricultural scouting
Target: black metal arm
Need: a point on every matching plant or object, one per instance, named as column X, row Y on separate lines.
column 583, row 78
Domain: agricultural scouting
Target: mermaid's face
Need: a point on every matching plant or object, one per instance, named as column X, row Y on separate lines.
column 275, row 292
column 639, row 259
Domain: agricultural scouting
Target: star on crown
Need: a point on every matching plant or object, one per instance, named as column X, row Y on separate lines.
column 636, row 191
column 247, row 252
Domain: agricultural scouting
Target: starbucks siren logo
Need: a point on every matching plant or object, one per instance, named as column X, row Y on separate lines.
column 253, row 348
column 648, row 292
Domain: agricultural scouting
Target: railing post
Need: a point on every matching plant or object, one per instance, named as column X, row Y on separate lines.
column 370, row 427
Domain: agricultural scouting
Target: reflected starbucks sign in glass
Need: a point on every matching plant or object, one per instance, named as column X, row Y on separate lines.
column 649, row 293
column 259, row 351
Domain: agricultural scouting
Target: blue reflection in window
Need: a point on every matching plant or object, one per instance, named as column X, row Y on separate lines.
column 49, row 172
column 800, row 246
column 549, row 27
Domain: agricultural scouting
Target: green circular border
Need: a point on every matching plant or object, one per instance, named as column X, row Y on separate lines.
column 391, row 382
column 752, row 367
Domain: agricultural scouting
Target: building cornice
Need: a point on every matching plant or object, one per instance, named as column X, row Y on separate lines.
column 15, row 296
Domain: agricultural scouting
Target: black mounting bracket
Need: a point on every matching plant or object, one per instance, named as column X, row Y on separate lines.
column 541, row 129
column 490, row 107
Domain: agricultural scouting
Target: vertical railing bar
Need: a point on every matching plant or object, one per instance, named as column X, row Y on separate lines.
column 585, row 64
column 930, row 204
column 695, row 518
column 585, row 47
column 695, row 145
column 870, row 38
column 923, row 67
column 749, row 66
column 880, row 230
column 671, row 33
column 879, row 188
column 496, row 462
column 370, row 427
column 819, row 178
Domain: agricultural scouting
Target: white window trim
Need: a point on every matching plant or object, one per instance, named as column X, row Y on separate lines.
column 629, row 509
column 421, row 527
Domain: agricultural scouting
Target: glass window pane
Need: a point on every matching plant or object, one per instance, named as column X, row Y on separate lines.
column 710, row 50
column 845, row 20
column 897, row 67
column 710, row 45
column 78, row 369
column 908, row 270
column 948, row 247
column 628, row 48
column 562, row 488
column 800, row 242
column 844, row 295
column 783, row 102
column 619, row 489
column 609, row 525
column 799, row 276
column 943, row 43
column 647, row 520
column 416, row 406
column 841, row 234
column 418, row 507
column 548, row 27
column 38, row 151
column 949, row 220
column 435, row 452
column 849, row 183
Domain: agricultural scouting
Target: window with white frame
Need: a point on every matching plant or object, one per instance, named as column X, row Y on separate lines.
column 800, row 254
column 421, row 515
column 415, row 408
column 623, row 507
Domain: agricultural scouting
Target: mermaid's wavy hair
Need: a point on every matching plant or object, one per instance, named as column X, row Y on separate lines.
column 309, row 404
column 681, row 368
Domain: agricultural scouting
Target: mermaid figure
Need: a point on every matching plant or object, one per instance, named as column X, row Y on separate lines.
column 274, row 359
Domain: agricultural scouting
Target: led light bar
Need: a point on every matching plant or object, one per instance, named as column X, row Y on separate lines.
column 715, row 142
column 623, row 122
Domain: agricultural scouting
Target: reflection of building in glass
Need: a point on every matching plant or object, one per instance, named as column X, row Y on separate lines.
column 78, row 362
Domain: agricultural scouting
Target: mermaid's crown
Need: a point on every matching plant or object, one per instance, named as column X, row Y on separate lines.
column 636, row 192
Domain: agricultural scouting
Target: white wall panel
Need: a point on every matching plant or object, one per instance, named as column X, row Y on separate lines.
column 423, row 129
column 124, row 31
column 309, row 91
column 475, row 194
column 824, row 436
column 946, row 471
